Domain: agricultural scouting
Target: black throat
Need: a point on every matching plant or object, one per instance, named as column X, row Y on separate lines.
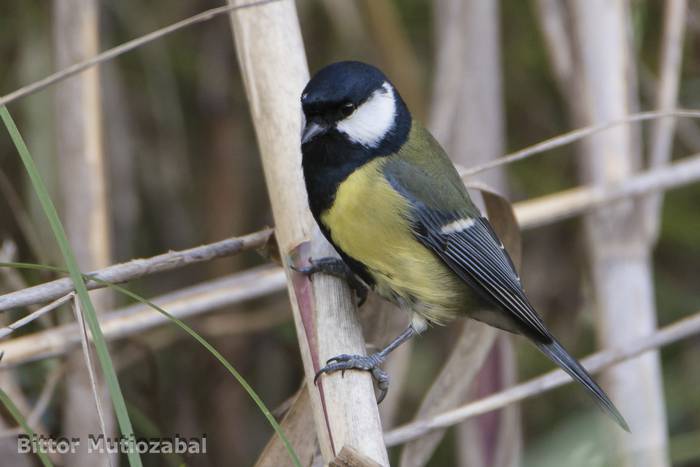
column 330, row 158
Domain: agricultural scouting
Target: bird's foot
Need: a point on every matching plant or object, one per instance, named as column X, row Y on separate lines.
column 337, row 268
column 359, row 362
column 333, row 266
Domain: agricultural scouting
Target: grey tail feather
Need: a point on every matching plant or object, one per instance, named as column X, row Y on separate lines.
column 555, row 352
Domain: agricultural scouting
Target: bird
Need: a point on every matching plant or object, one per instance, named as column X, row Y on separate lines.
column 387, row 197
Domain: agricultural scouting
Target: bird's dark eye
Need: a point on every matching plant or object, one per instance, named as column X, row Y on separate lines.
column 347, row 109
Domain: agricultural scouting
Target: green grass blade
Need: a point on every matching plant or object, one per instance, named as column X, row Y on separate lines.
column 103, row 356
column 32, row 267
column 251, row 392
column 14, row 411
column 241, row 380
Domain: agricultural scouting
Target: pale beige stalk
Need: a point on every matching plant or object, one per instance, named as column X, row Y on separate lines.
column 83, row 186
column 620, row 249
column 662, row 131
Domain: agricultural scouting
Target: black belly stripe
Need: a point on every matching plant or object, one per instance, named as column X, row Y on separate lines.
column 331, row 158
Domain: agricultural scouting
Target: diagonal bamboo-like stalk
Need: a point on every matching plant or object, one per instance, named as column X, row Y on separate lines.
column 273, row 62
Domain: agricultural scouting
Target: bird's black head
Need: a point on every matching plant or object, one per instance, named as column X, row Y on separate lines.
column 355, row 102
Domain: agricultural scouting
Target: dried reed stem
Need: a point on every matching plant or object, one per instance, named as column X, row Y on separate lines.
column 137, row 268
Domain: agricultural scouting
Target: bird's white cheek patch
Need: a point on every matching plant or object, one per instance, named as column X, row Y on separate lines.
column 456, row 226
column 369, row 124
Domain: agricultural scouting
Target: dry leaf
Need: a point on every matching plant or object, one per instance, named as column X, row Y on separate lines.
column 502, row 217
column 349, row 457
column 298, row 425
column 270, row 250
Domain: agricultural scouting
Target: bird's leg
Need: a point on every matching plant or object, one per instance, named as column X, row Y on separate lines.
column 368, row 363
column 337, row 268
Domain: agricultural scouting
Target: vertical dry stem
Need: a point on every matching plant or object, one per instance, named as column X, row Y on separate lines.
column 661, row 141
column 84, row 191
column 619, row 246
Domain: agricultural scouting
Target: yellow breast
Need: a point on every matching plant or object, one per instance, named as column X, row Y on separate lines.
column 369, row 221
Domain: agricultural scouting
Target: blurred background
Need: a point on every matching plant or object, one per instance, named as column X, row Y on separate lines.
column 180, row 167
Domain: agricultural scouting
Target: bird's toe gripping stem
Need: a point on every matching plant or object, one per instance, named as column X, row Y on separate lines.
column 359, row 362
column 337, row 268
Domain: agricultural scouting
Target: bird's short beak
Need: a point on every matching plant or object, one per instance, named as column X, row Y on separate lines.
column 312, row 130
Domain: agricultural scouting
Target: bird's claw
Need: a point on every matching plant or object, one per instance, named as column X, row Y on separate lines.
column 382, row 379
column 312, row 268
column 336, row 268
column 369, row 363
column 329, row 265
column 360, row 292
column 339, row 358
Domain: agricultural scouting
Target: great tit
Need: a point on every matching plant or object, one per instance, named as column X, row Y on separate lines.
column 387, row 197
